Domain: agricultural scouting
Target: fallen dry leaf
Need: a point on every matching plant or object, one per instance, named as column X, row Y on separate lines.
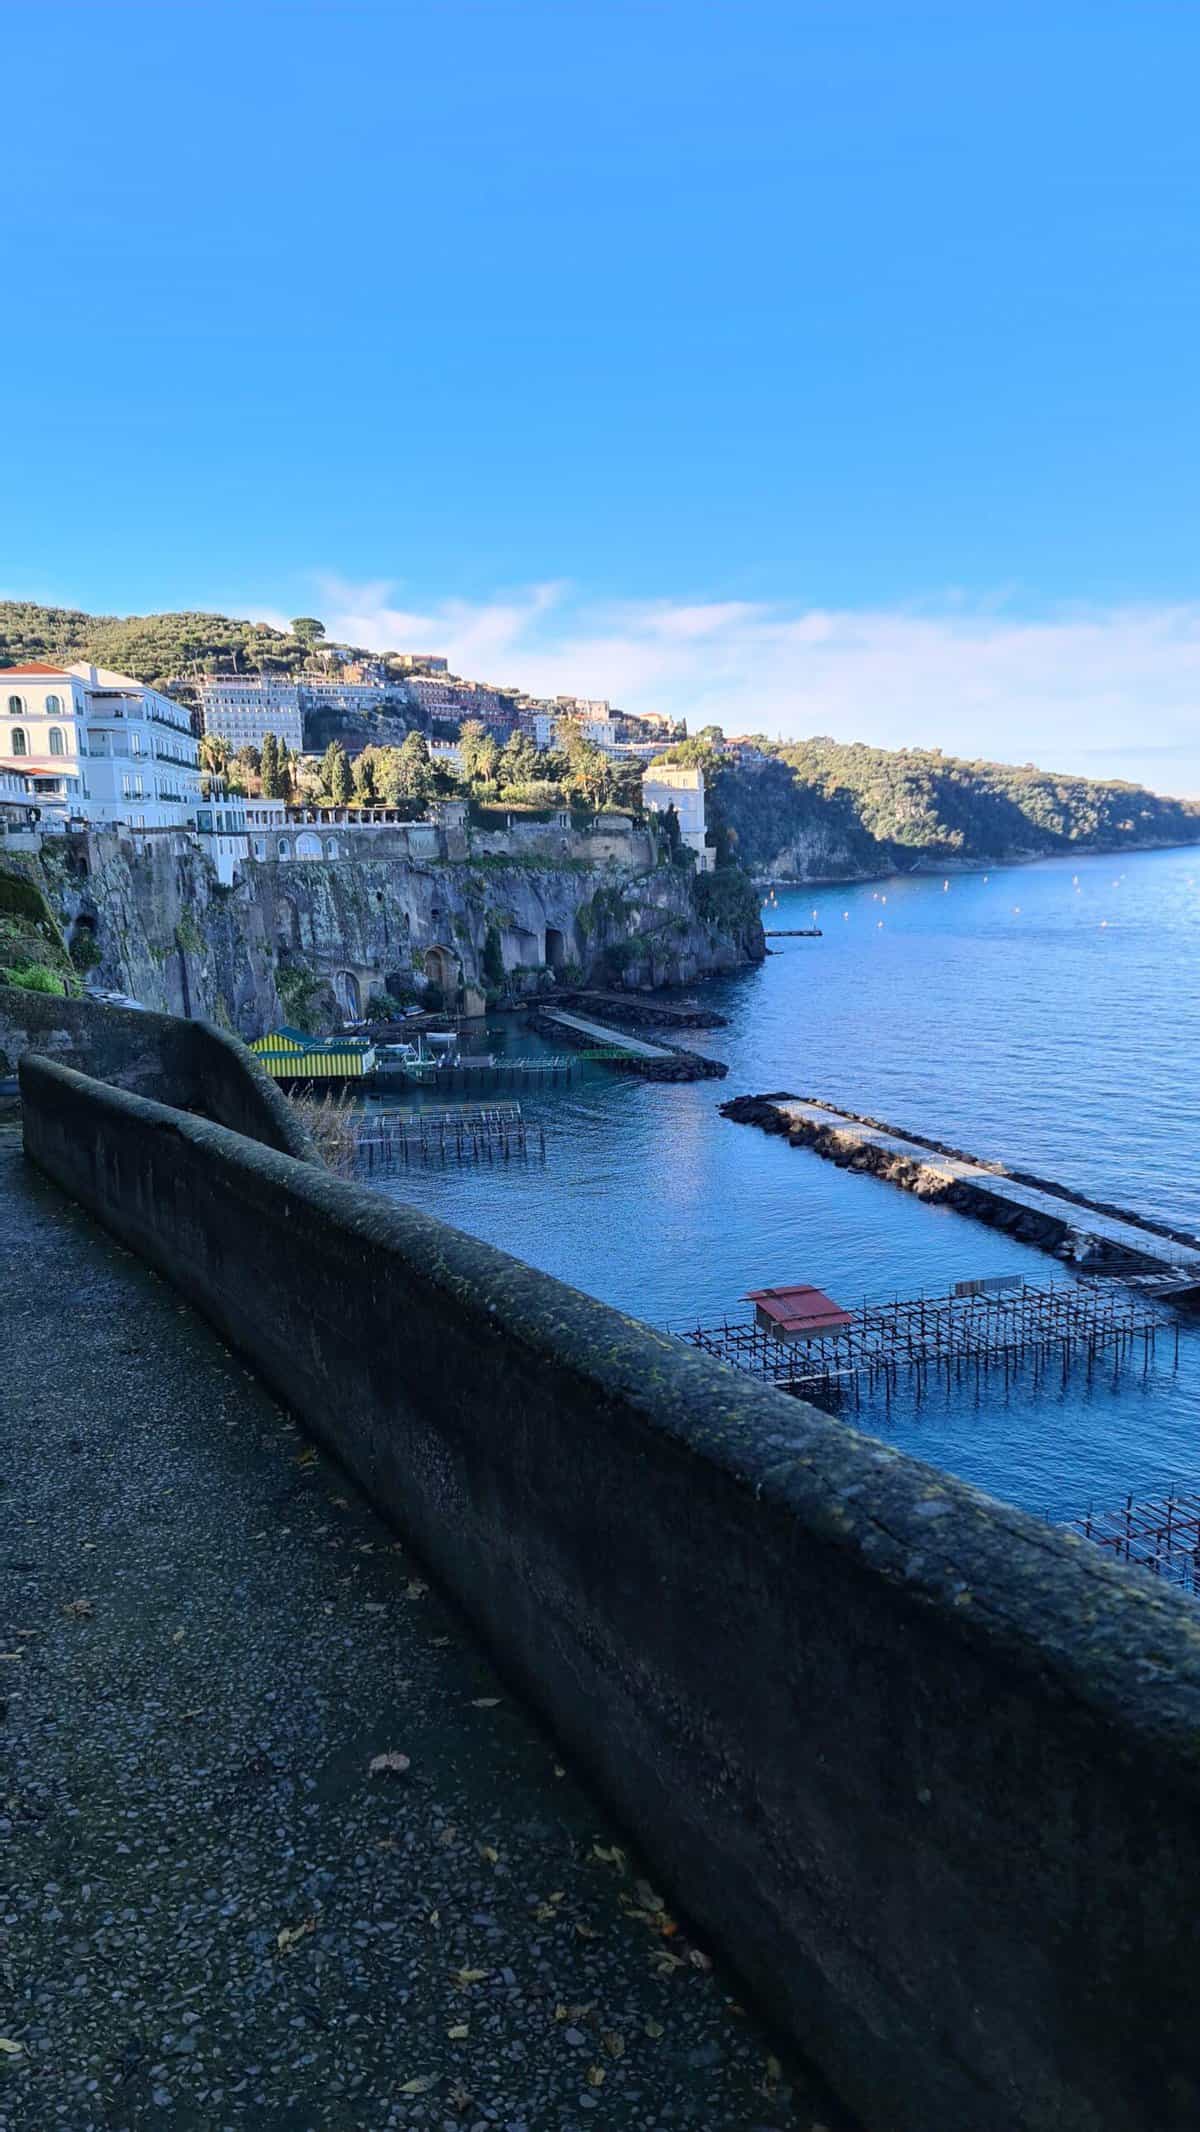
column 654, row 2029
column 587, row 1932
column 178, row 1636
column 596, row 2076
column 391, row 1764
column 469, row 1976
column 79, row 1609
column 459, row 2030
column 420, row 2084
column 490, row 1853
column 291, row 1935
column 484, row 1702
column 613, row 2043
column 415, row 1588
column 613, row 1856
column 9, row 2048
column 698, row 1960
column 647, row 1897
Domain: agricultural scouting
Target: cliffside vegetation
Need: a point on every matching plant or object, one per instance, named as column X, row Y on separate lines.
column 154, row 647
column 871, row 810
column 33, row 953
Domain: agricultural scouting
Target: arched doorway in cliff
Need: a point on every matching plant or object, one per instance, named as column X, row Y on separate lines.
column 441, row 968
column 349, row 995
column 308, row 845
column 556, row 949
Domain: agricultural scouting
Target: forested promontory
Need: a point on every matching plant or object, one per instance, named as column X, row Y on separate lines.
column 828, row 810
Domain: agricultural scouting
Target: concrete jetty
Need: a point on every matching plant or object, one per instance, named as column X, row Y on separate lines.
column 1032, row 1209
column 599, row 1033
column 654, row 1062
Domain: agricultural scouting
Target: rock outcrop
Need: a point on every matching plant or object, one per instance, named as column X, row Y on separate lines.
column 314, row 941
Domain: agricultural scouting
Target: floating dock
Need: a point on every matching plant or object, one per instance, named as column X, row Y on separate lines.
column 1092, row 1236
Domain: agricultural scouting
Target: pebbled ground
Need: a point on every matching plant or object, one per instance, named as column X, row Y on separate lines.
column 212, row 1913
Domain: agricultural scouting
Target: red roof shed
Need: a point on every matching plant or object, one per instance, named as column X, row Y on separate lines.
column 799, row 1313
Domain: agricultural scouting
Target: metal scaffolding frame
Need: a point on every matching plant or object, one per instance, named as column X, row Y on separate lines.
column 947, row 1337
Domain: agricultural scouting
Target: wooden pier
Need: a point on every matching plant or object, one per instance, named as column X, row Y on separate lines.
column 478, row 1073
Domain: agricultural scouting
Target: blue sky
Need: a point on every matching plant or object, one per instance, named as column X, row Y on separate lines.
column 817, row 368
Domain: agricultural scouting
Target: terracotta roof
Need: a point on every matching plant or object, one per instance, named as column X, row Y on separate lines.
column 802, row 1309
column 35, row 666
column 39, row 765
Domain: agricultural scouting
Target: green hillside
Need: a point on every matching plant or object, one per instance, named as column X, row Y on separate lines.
column 152, row 647
column 883, row 808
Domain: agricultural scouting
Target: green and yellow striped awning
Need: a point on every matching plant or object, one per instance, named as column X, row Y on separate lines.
column 289, row 1055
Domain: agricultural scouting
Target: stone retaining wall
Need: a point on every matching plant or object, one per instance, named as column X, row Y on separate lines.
column 189, row 1064
column 927, row 1770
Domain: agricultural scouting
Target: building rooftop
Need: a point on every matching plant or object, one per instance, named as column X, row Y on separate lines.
column 36, row 666
column 801, row 1309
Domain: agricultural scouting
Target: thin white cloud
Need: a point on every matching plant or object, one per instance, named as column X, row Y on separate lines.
column 1107, row 691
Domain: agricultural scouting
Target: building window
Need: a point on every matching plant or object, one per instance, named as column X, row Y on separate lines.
column 18, row 740
column 15, row 706
column 283, row 849
column 331, row 848
column 56, row 741
column 53, row 706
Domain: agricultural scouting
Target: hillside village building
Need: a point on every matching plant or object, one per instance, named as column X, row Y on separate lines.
column 681, row 786
column 98, row 747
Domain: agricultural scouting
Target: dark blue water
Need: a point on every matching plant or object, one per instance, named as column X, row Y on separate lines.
column 1048, row 1015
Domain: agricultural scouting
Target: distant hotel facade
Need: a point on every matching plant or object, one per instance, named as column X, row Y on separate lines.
column 680, row 786
column 98, row 747
column 244, row 708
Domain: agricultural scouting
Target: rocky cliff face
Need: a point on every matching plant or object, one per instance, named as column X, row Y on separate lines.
column 312, row 941
column 820, row 855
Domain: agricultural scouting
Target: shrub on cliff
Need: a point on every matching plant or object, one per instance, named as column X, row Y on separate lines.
column 34, row 977
column 726, row 900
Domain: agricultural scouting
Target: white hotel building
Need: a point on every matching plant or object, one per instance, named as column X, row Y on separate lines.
column 681, row 786
column 98, row 747
column 244, row 709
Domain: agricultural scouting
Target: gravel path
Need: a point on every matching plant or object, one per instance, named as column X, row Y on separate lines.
column 212, row 1913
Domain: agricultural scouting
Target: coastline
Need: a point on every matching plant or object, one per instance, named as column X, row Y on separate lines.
column 927, row 865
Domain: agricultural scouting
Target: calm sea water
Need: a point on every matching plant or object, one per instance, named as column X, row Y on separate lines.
column 1048, row 1015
